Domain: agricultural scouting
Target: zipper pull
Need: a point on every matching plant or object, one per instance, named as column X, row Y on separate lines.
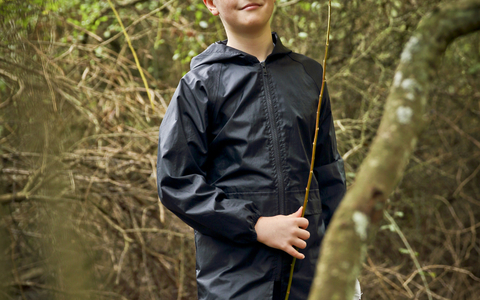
column 264, row 67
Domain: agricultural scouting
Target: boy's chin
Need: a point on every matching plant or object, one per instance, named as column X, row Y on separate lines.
column 252, row 27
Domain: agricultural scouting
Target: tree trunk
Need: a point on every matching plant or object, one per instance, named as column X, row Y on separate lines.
column 344, row 245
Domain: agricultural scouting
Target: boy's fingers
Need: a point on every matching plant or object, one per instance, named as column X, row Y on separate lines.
column 303, row 234
column 298, row 213
column 302, row 223
column 295, row 253
column 300, row 244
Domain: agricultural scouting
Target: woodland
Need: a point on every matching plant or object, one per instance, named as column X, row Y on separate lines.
column 79, row 117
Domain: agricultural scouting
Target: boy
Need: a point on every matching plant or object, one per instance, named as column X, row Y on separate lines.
column 234, row 157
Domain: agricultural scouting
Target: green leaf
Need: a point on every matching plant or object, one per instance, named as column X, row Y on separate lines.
column 474, row 69
column 405, row 251
column 336, row 4
column 3, row 85
column 389, row 227
column 394, row 12
column 431, row 274
column 399, row 214
column 302, row 35
column 198, row 15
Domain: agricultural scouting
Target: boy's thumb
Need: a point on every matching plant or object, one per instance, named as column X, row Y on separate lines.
column 298, row 213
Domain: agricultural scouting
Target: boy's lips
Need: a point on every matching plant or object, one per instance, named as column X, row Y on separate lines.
column 250, row 6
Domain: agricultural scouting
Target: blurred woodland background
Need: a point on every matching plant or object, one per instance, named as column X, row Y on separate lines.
column 79, row 212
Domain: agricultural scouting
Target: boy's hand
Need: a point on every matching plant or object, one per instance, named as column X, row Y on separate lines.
column 284, row 232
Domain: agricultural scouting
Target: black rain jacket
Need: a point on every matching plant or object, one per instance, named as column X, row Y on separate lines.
column 236, row 144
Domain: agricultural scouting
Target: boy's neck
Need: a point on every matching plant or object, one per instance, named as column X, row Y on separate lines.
column 258, row 44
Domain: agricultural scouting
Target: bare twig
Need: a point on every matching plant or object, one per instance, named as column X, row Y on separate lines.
column 467, row 180
column 410, row 251
column 18, row 93
column 460, row 131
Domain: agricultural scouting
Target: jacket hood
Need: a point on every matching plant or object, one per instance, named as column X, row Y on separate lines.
column 219, row 51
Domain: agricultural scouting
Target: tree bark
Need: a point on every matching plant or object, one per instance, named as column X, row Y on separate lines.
column 344, row 245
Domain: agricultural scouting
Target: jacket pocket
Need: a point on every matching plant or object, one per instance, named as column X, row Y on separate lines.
column 267, row 203
column 295, row 199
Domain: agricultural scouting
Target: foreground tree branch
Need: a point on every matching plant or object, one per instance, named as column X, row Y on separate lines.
column 344, row 245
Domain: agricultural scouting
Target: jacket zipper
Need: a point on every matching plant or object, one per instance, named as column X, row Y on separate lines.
column 278, row 161
column 276, row 147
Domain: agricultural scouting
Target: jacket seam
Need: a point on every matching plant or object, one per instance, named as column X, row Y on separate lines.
column 217, row 86
column 322, row 116
column 306, row 72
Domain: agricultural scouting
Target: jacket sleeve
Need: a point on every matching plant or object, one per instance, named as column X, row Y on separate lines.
column 181, row 180
column 329, row 169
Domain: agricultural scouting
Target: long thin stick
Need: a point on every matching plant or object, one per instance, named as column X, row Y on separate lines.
column 127, row 37
column 310, row 175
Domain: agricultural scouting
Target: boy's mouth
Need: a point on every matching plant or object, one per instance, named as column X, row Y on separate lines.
column 251, row 6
